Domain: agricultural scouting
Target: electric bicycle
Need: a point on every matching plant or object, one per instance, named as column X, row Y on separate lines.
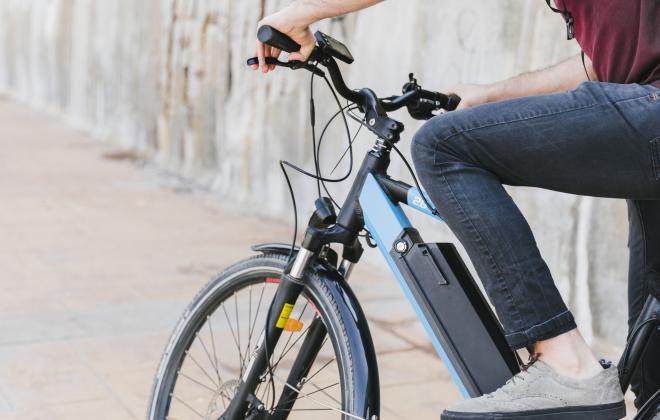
column 281, row 334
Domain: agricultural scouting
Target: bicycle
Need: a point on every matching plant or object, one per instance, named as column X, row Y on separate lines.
column 300, row 306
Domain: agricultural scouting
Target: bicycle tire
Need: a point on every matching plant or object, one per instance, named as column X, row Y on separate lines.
column 240, row 275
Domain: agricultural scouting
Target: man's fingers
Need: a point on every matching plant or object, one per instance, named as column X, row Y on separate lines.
column 269, row 53
column 255, row 66
column 296, row 56
column 256, row 54
column 274, row 52
column 265, row 68
column 303, row 54
column 261, row 55
column 263, row 51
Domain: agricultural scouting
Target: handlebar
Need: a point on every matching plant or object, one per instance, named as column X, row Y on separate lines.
column 271, row 36
column 421, row 103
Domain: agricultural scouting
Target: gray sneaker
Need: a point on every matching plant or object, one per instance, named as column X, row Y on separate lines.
column 540, row 393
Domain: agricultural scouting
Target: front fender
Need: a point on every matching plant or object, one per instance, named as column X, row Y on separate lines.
column 275, row 248
column 365, row 365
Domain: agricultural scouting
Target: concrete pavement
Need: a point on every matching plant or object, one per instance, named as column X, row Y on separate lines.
column 99, row 256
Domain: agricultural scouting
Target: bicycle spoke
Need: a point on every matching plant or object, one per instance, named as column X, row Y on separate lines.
column 215, row 354
column 322, row 404
column 296, row 398
column 188, row 406
column 240, row 355
column 208, row 355
column 291, row 346
column 202, row 369
column 249, row 343
column 197, row 382
column 304, row 409
column 238, row 330
column 263, row 288
column 253, row 326
column 319, row 389
column 321, row 368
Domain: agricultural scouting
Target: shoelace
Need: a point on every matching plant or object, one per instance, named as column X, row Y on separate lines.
column 533, row 358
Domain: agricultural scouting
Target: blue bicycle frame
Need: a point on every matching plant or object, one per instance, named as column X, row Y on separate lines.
column 469, row 315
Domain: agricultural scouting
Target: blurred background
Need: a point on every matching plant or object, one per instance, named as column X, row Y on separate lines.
column 163, row 84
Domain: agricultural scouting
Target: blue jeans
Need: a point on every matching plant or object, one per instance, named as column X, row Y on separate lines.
column 601, row 140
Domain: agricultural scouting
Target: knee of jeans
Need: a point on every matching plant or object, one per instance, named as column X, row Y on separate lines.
column 422, row 147
column 438, row 141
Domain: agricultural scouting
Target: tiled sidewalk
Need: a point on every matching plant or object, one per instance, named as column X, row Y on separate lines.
column 98, row 259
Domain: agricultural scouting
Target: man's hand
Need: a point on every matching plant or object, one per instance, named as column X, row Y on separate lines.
column 290, row 22
column 471, row 95
column 294, row 21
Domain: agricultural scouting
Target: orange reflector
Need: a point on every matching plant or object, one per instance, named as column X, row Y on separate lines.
column 293, row 325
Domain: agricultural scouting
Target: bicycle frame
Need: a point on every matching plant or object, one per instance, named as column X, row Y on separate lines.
column 373, row 202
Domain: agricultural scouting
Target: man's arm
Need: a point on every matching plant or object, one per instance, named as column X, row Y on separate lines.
column 294, row 21
column 561, row 77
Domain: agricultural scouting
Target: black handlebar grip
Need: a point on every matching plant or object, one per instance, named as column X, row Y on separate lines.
column 452, row 102
column 446, row 102
column 274, row 38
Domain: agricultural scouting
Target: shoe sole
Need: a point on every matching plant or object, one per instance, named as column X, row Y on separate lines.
column 614, row 411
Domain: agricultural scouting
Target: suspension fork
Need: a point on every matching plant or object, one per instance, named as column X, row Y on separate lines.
column 309, row 350
column 285, row 298
column 300, row 369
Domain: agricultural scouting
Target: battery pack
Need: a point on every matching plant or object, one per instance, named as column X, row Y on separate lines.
column 458, row 314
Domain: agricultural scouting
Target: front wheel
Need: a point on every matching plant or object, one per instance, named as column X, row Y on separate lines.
column 212, row 343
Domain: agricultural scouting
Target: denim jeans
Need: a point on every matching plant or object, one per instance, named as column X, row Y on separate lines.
column 600, row 139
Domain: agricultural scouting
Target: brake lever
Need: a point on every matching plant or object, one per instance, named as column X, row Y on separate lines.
column 254, row 61
column 292, row 64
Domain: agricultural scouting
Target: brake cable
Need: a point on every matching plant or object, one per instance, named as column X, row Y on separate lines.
column 431, row 207
column 348, row 132
column 327, row 125
column 317, row 176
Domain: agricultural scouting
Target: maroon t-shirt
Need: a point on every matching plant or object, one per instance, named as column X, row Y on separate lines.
column 621, row 37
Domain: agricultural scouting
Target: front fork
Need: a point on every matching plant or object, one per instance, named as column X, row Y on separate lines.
column 306, row 356
column 287, row 294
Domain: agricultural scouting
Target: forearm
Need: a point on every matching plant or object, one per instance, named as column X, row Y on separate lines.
column 306, row 12
column 561, row 77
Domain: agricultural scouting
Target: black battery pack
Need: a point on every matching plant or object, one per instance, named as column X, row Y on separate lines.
column 459, row 315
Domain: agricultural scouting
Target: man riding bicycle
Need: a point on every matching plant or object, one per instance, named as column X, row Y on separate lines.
column 556, row 129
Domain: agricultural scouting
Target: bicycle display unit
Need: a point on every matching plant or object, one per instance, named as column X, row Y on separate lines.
column 281, row 335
